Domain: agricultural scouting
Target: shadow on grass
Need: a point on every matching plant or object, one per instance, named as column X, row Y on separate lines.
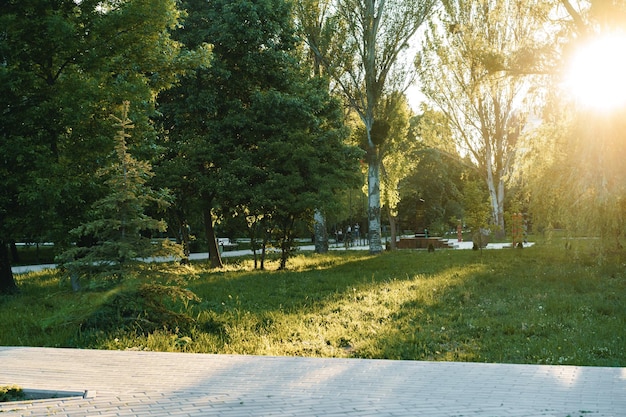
column 514, row 306
column 502, row 306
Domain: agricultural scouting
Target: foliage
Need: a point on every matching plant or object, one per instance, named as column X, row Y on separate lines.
column 11, row 393
column 397, row 147
column 397, row 150
column 366, row 63
column 254, row 136
column 473, row 69
column 540, row 305
column 64, row 64
column 475, row 200
column 578, row 178
column 577, row 175
column 141, row 309
column 118, row 224
column 432, row 195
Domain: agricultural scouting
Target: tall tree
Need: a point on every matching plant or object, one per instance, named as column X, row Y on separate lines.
column 577, row 177
column 366, row 63
column 398, row 156
column 431, row 195
column 313, row 25
column 63, row 63
column 473, row 69
column 257, row 135
column 206, row 115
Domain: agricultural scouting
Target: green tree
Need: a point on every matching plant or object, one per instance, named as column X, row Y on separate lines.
column 477, row 211
column 252, row 134
column 398, row 156
column 63, row 63
column 366, row 63
column 299, row 157
column 577, row 177
column 206, row 116
column 432, row 193
column 314, row 25
column 119, row 229
column 474, row 69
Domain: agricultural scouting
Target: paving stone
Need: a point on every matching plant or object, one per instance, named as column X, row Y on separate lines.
column 137, row 383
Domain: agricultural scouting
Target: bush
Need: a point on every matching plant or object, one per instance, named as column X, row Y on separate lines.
column 143, row 309
column 11, row 393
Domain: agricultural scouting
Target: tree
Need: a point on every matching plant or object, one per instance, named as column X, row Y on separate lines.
column 474, row 70
column 577, row 175
column 365, row 64
column 311, row 20
column 299, row 156
column 398, row 156
column 432, row 193
column 118, row 222
column 63, row 63
column 254, row 135
column 205, row 116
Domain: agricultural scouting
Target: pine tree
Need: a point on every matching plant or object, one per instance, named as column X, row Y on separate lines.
column 119, row 225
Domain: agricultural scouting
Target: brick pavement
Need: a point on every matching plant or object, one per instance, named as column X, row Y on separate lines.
column 134, row 383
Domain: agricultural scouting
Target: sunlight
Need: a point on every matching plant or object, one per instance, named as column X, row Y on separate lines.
column 565, row 375
column 596, row 75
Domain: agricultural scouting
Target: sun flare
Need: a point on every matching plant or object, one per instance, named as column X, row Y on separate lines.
column 597, row 73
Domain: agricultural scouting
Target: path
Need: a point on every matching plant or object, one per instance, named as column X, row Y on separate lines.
column 137, row 383
column 235, row 253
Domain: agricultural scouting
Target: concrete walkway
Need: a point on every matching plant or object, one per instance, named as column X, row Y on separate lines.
column 136, row 383
column 455, row 244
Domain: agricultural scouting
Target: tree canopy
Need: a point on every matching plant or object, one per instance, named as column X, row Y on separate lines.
column 63, row 64
column 260, row 138
column 244, row 110
column 366, row 62
column 473, row 70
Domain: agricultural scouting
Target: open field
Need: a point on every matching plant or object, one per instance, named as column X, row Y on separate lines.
column 539, row 305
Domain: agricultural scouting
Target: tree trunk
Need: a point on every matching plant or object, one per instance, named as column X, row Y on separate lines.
column 500, row 234
column 185, row 240
column 253, row 246
column 496, row 197
column 393, row 231
column 495, row 184
column 373, row 210
column 15, row 255
column 7, row 282
column 321, row 235
column 284, row 255
column 263, row 247
column 214, row 253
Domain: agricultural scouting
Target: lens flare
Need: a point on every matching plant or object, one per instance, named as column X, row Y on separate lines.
column 597, row 73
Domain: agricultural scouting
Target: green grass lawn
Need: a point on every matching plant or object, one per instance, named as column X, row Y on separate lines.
column 539, row 305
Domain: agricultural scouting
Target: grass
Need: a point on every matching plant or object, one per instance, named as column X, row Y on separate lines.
column 540, row 305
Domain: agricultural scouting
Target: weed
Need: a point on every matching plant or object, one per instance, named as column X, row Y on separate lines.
column 11, row 393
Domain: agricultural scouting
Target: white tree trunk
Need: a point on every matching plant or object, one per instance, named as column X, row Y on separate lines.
column 496, row 197
column 319, row 229
column 500, row 217
column 373, row 188
column 493, row 194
